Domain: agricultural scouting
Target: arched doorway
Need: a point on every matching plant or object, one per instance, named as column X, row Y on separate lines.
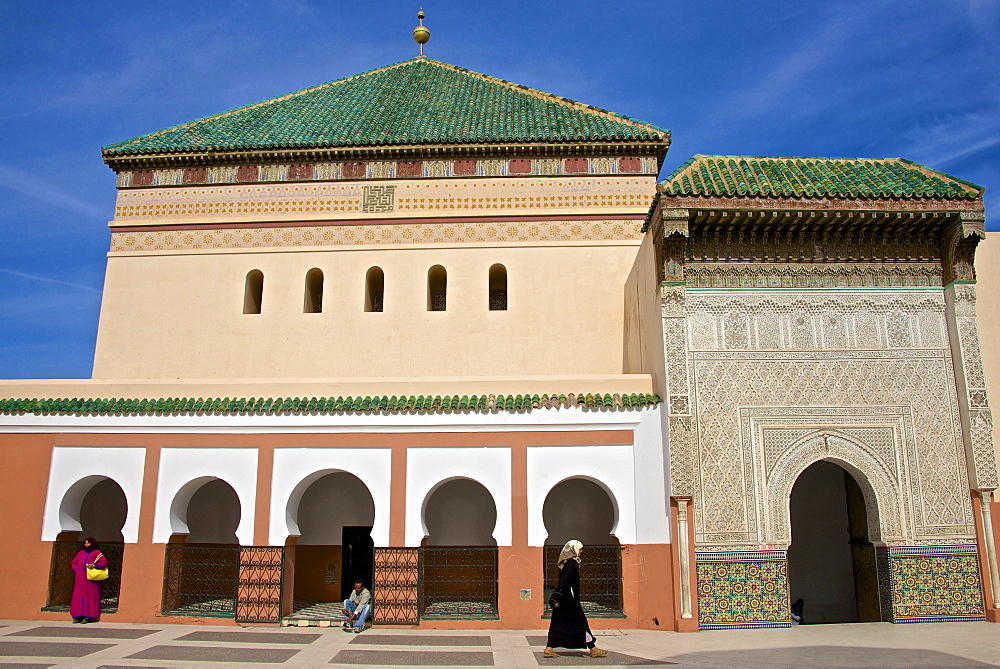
column 831, row 560
column 584, row 510
column 96, row 507
column 203, row 556
column 458, row 566
column 335, row 516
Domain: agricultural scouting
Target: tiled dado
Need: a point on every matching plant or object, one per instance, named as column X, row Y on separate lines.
column 359, row 235
column 742, row 589
column 935, row 583
column 385, row 169
column 339, row 200
column 749, row 589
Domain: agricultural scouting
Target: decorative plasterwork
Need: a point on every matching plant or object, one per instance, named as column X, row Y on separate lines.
column 817, row 275
column 818, row 360
column 374, row 235
column 333, row 200
column 981, row 455
column 807, row 320
column 385, row 169
column 862, row 446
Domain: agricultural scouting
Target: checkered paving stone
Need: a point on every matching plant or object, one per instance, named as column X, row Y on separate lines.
column 49, row 649
column 22, row 665
column 419, row 640
column 581, row 657
column 250, row 637
column 414, row 658
column 83, row 631
column 310, row 610
column 215, row 654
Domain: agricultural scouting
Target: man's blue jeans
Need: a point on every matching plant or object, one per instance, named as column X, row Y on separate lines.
column 351, row 607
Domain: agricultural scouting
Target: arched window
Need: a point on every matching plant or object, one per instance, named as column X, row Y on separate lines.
column 253, row 292
column 437, row 289
column 314, row 292
column 498, row 288
column 374, row 289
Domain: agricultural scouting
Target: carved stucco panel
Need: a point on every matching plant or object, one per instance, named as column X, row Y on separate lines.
column 924, row 383
column 878, row 480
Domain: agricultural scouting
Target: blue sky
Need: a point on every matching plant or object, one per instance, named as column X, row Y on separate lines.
column 918, row 79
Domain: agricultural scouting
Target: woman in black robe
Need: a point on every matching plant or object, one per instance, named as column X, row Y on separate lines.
column 569, row 627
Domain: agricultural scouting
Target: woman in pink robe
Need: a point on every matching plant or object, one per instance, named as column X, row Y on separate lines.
column 85, row 607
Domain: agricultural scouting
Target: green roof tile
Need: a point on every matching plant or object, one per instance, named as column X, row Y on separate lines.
column 779, row 176
column 415, row 102
column 325, row 405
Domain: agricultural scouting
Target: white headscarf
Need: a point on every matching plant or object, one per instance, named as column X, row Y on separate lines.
column 571, row 551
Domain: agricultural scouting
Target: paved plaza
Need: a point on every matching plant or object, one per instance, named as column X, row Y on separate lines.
column 107, row 645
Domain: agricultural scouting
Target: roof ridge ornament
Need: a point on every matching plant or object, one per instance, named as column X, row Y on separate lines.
column 420, row 33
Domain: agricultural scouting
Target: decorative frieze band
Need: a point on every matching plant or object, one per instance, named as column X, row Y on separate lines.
column 385, row 169
column 374, row 235
column 333, row 200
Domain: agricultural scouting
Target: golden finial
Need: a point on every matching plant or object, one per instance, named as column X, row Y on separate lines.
column 420, row 33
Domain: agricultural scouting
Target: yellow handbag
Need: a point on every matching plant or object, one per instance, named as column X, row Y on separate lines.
column 95, row 574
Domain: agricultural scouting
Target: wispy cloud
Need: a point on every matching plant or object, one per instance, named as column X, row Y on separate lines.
column 774, row 87
column 47, row 192
column 46, row 279
column 942, row 140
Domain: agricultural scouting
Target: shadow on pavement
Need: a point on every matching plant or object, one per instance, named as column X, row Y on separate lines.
column 827, row 656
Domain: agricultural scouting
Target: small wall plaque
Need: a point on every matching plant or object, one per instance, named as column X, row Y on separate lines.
column 526, row 594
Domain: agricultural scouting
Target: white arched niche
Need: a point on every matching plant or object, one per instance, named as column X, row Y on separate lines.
column 462, row 512
column 74, row 471
column 295, row 469
column 610, row 467
column 428, row 468
column 183, row 471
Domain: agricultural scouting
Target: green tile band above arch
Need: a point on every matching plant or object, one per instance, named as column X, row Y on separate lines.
column 324, row 405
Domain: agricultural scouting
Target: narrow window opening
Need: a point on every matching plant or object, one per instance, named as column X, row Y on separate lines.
column 253, row 292
column 374, row 289
column 437, row 289
column 498, row 288
column 314, row 292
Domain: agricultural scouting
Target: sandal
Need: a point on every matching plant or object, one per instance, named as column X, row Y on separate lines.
column 597, row 652
column 550, row 653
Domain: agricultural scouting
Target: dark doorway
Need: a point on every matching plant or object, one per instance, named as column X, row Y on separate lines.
column 831, row 562
column 358, row 558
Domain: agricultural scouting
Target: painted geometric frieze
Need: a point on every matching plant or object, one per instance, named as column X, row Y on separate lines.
column 384, row 169
column 742, row 590
column 935, row 583
column 912, row 394
column 336, row 200
column 373, row 235
column 804, row 320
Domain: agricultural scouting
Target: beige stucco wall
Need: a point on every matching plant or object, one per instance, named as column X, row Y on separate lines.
column 181, row 316
column 988, row 312
column 643, row 343
column 320, row 387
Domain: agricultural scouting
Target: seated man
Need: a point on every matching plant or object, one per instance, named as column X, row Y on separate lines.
column 356, row 608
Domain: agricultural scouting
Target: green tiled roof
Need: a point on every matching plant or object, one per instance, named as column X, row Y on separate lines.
column 416, row 102
column 778, row 176
column 322, row 405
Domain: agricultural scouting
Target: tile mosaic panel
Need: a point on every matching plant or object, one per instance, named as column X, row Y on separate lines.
column 935, row 584
column 742, row 589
